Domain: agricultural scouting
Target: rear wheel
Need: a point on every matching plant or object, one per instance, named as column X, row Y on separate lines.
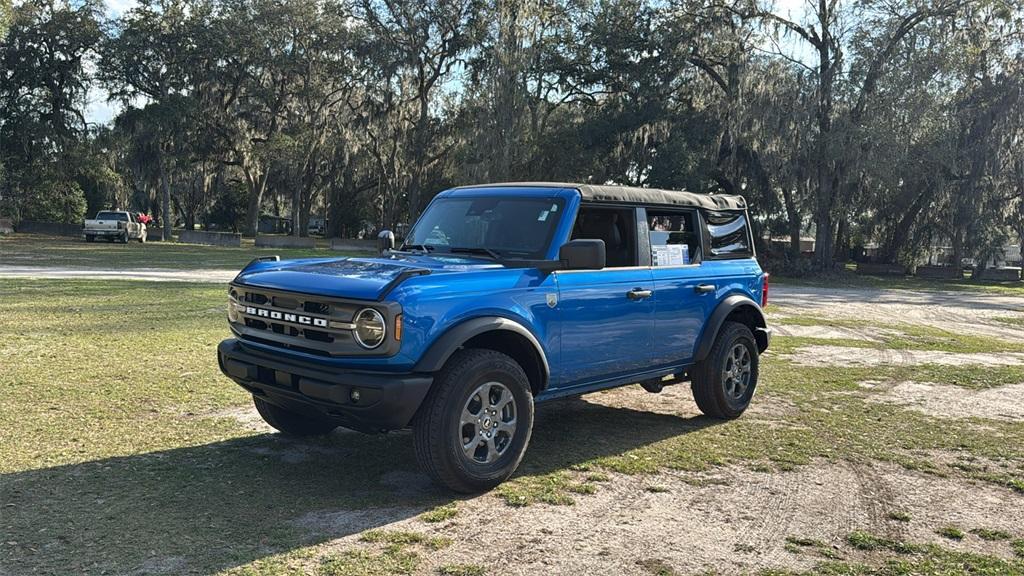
column 724, row 382
column 124, row 238
column 474, row 426
column 90, row 238
column 292, row 423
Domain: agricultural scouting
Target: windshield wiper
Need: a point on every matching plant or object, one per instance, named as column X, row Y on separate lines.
column 478, row 250
column 420, row 247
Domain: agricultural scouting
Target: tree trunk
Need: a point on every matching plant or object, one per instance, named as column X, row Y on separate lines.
column 165, row 200
column 257, row 185
column 793, row 219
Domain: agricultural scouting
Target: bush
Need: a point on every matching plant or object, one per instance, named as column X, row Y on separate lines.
column 54, row 201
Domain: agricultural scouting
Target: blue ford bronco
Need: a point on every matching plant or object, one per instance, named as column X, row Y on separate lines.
column 502, row 296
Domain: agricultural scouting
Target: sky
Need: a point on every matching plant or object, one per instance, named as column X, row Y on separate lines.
column 98, row 110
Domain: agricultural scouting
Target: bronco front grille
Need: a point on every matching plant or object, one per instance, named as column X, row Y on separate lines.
column 302, row 322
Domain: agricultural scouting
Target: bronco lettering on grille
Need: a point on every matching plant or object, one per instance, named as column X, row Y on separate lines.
column 286, row 317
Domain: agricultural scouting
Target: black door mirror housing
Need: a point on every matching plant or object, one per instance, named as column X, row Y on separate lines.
column 582, row 254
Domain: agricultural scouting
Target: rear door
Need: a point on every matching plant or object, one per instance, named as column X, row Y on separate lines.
column 685, row 296
column 606, row 315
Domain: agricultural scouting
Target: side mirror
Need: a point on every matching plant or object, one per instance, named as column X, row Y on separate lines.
column 385, row 241
column 582, row 254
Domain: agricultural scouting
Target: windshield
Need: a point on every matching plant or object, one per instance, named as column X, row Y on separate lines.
column 112, row 216
column 508, row 227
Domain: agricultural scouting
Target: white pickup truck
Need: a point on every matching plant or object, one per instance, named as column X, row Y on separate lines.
column 114, row 225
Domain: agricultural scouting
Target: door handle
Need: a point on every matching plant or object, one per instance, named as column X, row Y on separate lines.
column 638, row 294
column 704, row 288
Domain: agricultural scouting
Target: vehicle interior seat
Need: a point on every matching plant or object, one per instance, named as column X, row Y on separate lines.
column 606, row 225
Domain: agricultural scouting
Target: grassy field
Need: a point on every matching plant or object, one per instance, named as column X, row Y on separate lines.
column 123, row 450
column 847, row 278
column 37, row 250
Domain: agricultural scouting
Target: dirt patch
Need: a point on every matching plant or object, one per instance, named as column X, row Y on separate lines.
column 959, row 312
column 150, row 274
column 847, row 356
column 832, row 332
column 351, row 522
column 945, row 401
column 733, row 521
column 247, row 416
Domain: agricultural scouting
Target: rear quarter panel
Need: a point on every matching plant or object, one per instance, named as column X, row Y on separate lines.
column 740, row 276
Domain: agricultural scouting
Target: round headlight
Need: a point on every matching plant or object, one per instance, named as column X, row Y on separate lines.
column 370, row 328
column 232, row 307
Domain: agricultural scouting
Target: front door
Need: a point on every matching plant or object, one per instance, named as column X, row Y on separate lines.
column 606, row 315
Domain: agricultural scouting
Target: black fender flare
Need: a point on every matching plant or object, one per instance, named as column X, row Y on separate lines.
column 453, row 339
column 726, row 307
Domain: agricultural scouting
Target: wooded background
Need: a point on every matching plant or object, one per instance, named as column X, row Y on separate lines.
column 898, row 123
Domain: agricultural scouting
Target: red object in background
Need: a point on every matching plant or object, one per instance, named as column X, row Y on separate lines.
column 145, row 219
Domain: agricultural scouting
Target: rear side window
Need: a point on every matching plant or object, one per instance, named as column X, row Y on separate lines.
column 730, row 235
column 675, row 238
column 112, row 216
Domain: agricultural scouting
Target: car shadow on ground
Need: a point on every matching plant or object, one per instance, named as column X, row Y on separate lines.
column 202, row 508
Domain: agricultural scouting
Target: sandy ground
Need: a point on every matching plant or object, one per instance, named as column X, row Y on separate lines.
column 731, row 520
column 968, row 312
column 151, row 274
column 844, row 356
column 945, row 401
column 735, row 520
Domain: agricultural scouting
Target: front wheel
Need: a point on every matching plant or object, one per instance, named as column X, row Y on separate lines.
column 724, row 382
column 291, row 423
column 474, row 426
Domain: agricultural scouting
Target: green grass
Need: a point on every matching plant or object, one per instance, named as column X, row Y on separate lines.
column 951, row 532
column 1011, row 320
column 880, row 556
column 849, row 279
column 440, row 514
column 990, row 534
column 461, row 570
column 392, row 561
column 656, row 567
column 36, row 250
column 899, row 516
column 119, row 431
column 891, row 337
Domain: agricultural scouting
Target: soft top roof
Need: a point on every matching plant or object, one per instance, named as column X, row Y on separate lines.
column 632, row 195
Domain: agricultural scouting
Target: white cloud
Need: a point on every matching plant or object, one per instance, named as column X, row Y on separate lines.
column 118, row 7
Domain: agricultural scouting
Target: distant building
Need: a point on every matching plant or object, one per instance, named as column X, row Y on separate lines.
column 274, row 225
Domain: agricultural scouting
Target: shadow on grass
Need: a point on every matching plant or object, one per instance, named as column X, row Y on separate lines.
column 203, row 508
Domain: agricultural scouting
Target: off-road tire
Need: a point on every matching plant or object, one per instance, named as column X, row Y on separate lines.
column 709, row 384
column 290, row 423
column 437, row 428
column 124, row 238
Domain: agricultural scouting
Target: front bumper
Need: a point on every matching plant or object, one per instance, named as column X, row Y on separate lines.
column 386, row 401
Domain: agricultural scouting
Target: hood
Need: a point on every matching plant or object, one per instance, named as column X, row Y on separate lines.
column 358, row 278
